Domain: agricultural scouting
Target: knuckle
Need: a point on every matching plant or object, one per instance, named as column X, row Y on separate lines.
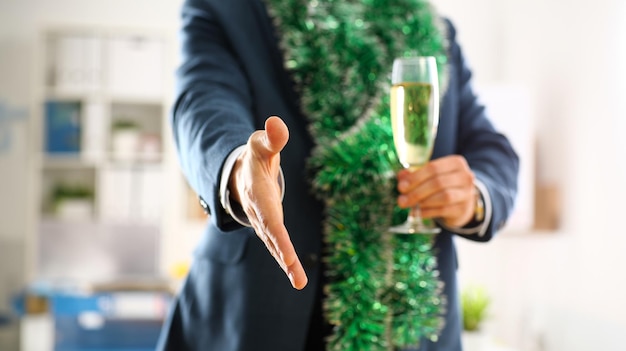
column 408, row 177
column 248, row 194
column 248, row 209
column 259, row 232
column 471, row 195
column 470, row 177
column 263, row 238
column 411, row 198
column 255, row 137
column 438, row 182
column 434, row 167
column 458, row 209
column 448, row 196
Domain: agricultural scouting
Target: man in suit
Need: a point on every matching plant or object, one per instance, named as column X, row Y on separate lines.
column 236, row 297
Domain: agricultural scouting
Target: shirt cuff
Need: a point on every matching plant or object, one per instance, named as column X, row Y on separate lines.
column 233, row 209
column 481, row 228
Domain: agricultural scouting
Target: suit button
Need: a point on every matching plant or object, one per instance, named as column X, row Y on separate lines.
column 204, row 205
column 310, row 260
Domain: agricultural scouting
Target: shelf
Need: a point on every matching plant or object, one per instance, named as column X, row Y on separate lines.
column 56, row 94
column 102, row 126
column 136, row 163
column 65, row 161
column 80, row 161
column 51, row 221
column 136, row 99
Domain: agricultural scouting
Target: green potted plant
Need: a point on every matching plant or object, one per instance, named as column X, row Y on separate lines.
column 125, row 137
column 474, row 305
column 72, row 201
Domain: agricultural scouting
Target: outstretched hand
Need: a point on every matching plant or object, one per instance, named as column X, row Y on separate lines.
column 254, row 184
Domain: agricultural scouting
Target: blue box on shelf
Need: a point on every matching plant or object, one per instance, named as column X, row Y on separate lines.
column 72, row 333
column 62, row 128
column 112, row 321
column 128, row 321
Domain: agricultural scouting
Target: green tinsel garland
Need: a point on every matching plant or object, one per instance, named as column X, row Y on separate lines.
column 383, row 290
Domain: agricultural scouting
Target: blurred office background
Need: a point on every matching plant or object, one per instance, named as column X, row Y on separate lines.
column 91, row 198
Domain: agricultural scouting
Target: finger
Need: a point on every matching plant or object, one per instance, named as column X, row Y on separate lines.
column 297, row 276
column 408, row 178
column 269, row 142
column 271, row 248
column 456, row 215
column 286, row 257
column 277, row 134
column 448, row 197
column 269, row 213
column 259, row 220
column 263, row 234
column 286, row 254
column 459, row 183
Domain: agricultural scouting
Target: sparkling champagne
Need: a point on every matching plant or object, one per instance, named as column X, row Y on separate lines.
column 414, row 121
column 413, row 110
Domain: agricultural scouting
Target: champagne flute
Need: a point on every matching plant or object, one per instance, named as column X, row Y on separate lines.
column 414, row 121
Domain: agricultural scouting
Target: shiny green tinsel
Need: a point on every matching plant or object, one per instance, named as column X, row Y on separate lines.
column 383, row 290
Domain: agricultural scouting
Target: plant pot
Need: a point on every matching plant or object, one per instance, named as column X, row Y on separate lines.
column 150, row 148
column 475, row 341
column 74, row 209
column 125, row 144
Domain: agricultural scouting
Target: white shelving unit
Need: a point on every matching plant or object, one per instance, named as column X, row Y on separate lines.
column 100, row 159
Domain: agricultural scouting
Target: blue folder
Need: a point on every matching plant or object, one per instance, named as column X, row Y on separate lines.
column 62, row 127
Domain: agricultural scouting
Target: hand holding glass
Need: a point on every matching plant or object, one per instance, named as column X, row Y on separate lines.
column 414, row 120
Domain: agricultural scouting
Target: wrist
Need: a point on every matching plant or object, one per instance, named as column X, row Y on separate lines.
column 233, row 180
column 230, row 202
column 477, row 218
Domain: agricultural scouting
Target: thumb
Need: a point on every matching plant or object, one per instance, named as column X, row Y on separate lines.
column 271, row 141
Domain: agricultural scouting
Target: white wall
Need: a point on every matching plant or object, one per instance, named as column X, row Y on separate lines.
column 560, row 291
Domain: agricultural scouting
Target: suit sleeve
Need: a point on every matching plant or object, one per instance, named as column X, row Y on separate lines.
column 488, row 153
column 212, row 112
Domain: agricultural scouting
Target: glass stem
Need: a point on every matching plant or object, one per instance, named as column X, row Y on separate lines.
column 415, row 216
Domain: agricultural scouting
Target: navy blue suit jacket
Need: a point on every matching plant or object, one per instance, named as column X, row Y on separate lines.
column 236, row 298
